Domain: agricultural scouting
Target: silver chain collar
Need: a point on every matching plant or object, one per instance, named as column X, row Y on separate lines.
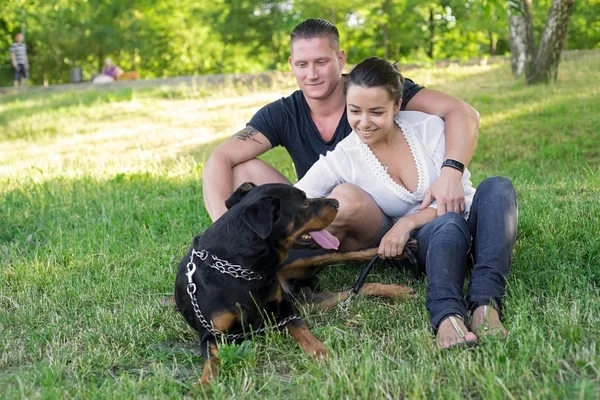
column 220, row 266
column 225, row 267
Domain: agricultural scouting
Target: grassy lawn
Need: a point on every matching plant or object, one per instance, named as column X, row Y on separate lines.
column 100, row 196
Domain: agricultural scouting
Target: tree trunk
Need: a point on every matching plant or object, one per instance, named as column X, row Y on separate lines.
column 385, row 32
column 522, row 46
column 545, row 68
column 100, row 57
column 431, row 33
column 493, row 43
column 386, row 42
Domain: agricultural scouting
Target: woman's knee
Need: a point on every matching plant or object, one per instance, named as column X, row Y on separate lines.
column 453, row 224
column 497, row 185
column 353, row 201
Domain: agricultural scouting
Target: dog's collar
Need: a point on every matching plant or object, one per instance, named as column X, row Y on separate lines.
column 225, row 267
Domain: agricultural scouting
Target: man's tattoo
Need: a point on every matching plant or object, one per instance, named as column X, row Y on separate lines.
column 247, row 134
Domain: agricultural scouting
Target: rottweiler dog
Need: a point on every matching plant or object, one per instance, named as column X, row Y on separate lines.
column 234, row 280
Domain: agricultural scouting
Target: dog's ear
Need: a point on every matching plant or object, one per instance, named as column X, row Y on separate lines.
column 239, row 194
column 261, row 215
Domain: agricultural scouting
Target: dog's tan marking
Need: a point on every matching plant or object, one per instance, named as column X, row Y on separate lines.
column 278, row 296
column 306, row 267
column 331, row 299
column 221, row 322
column 315, row 223
column 387, row 291
column 307, row 341
column 224, row 320
column 211, row 366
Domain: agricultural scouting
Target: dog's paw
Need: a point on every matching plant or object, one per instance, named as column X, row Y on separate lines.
column 210, row 372
column 400, row 292
column 318, row 352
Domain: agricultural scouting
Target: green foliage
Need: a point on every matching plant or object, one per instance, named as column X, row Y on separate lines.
column 186, row 37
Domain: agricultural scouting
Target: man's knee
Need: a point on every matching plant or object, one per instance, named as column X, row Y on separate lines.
column 249, row 166
column 257, row 172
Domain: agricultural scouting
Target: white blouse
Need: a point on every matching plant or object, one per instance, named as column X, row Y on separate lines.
column 352, row 161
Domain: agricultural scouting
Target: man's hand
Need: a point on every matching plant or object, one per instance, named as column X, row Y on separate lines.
column 448, row 191
column 392, row 244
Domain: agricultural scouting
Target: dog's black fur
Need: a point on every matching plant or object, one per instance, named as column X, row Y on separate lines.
column 260, row 225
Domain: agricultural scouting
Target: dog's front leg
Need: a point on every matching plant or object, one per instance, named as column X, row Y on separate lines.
column 209, row 350
column 299, row 331
column 221, row 322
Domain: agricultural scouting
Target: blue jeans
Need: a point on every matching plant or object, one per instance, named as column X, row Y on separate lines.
column 444, row 245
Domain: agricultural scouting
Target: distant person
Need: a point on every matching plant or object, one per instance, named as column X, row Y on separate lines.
column 20, row 62
column 110, row 73
column 111, row 69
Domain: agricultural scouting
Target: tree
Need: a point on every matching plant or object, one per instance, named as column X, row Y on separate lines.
column 539, row 65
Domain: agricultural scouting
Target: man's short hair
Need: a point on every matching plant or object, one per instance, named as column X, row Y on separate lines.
column 316, row 27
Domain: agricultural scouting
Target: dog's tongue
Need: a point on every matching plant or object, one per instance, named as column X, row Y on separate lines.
column 325, row 239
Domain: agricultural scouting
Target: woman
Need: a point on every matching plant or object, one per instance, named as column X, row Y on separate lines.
column 394, row 156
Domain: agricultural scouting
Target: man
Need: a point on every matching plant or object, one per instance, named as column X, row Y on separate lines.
column 20, row 63
column 313, row 120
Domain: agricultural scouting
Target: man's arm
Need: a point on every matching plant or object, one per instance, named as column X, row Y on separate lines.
column 461, row 130
column 14, row 58
column 217, row 173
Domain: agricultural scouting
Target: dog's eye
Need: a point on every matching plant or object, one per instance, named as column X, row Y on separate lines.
column 306, row 203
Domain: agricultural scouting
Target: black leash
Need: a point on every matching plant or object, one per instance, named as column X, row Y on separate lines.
column 410, row 256
column 363, row 275
column 343, row 305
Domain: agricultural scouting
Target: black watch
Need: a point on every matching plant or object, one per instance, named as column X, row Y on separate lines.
column 454, row 164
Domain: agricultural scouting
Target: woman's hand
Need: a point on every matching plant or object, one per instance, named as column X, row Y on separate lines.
column 392, row 244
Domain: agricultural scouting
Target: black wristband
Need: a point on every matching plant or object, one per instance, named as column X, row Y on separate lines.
column 454, row 164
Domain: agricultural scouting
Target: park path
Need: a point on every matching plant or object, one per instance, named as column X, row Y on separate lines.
column 263, row 79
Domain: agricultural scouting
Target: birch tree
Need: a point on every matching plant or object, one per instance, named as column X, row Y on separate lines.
column 540, row 65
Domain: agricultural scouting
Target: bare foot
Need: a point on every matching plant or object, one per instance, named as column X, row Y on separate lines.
column 453, row 331
column 486, row 321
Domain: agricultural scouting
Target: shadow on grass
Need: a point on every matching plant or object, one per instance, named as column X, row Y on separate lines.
column 542, row 140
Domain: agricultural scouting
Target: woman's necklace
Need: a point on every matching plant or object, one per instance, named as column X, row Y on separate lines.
column 385, row 165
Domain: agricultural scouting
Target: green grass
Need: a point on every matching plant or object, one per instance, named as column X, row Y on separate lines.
column 101, row 194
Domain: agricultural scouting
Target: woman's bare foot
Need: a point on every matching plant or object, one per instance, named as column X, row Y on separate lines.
column 453, row 332
column 486, row 321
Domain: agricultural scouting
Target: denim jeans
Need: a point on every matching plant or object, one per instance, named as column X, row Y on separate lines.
column 444, row 244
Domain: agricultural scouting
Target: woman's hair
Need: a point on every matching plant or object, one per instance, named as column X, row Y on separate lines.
column 377, row 72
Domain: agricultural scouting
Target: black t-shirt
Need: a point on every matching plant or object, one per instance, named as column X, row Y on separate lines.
column 287, row 122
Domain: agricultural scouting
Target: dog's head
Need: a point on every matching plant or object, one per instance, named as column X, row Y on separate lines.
column 281, row 213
